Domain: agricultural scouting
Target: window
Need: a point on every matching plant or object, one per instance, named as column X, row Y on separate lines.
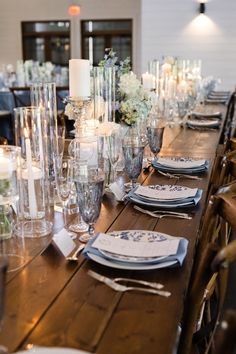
column 100, row 34
column 46, row 41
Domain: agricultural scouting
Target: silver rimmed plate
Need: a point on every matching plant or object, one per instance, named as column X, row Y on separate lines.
column 130, row 266
column 136, row 236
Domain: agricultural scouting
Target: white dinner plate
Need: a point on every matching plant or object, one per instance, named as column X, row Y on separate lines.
column 52, row 350
column 129, row 266
column 136, row 236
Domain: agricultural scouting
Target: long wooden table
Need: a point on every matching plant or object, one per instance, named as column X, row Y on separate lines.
column 51, row 302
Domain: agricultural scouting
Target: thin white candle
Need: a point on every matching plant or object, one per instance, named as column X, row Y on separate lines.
column 79, row 77
column 31, row 188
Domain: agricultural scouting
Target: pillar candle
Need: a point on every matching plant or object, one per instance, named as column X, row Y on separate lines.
column 79, row 77
column 148, row 81
column 31, row 188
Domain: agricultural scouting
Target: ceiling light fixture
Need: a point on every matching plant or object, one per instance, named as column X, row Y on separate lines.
column 74, row 10
column 202, row 7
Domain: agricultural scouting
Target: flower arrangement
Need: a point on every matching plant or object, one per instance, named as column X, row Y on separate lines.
column 132, row 101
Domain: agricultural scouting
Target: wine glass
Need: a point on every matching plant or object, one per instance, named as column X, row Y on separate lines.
column 155, row 132
column 133, row 149
column 89, row 184
column 65, row 188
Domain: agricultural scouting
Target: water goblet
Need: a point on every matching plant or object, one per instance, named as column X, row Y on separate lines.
column 89, row 184
column 155, row 133
column 133, row 149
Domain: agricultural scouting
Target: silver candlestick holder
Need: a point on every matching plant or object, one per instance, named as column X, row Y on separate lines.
column 77, row 109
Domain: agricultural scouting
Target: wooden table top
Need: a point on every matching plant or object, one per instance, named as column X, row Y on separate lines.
column 51, row 302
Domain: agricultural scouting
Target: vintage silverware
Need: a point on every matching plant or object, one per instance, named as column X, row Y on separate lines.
column 179, row 175
column 122, row 288
column 162, row 214
column 153, row 285
column 74, row 256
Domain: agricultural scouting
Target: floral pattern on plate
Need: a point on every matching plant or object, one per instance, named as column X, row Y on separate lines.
column 136, row 236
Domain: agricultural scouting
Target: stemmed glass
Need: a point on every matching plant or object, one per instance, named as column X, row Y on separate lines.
column 155, row 132
column 89, row 184
column 66, row 188
column 133, row 149
column 113, row 151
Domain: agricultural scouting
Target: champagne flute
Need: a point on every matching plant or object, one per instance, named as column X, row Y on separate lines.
column 113, row 143
column 89, row 184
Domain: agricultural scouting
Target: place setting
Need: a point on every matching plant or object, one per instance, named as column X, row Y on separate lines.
column 165, row 196
column 136, row 250
column 175, row 166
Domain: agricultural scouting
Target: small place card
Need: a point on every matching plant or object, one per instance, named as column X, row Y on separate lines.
column 166, row 192
column 63, row 242
column 117, row 191
column 164, row 247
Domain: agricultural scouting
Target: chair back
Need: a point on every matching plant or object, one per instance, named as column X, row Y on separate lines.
column 225, row 335
column 208, row 285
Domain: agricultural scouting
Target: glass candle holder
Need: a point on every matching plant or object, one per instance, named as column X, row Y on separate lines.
column 11, row 247
column 30, row 135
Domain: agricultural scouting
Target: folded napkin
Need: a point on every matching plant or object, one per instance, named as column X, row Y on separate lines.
column 180, row 162
column 178, row 257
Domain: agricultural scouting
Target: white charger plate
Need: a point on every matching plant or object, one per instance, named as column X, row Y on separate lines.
column 128, row 266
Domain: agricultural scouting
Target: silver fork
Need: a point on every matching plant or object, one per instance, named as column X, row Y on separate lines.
column 179, row 175
column 122, row 288
column 164, row 214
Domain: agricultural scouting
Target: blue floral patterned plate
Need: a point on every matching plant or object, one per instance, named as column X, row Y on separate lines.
column 136, row 236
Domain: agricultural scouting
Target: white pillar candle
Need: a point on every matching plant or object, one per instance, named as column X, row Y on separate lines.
column 31, row 188
column 148, row 81
column 79, row 77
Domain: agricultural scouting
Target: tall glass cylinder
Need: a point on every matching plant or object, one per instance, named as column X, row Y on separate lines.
column 11, row 247
column 30, row 136
column 104, row 81
column 154, row 69
column 44, row 95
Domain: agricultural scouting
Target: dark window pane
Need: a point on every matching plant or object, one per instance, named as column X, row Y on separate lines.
column 121, row 45
column 35, row 49
column 93, row 26
column 60, row 50
column 51, row 26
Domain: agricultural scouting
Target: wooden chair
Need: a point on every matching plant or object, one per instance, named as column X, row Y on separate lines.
column 225, row 341
column 21, row 96
column 207, row 288
column 228, row 122
column 224, row 169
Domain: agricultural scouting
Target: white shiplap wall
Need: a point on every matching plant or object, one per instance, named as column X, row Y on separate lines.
column 12, row 12
column 174, row 27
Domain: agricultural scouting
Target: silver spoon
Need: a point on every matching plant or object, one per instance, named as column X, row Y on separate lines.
column 74, row 256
